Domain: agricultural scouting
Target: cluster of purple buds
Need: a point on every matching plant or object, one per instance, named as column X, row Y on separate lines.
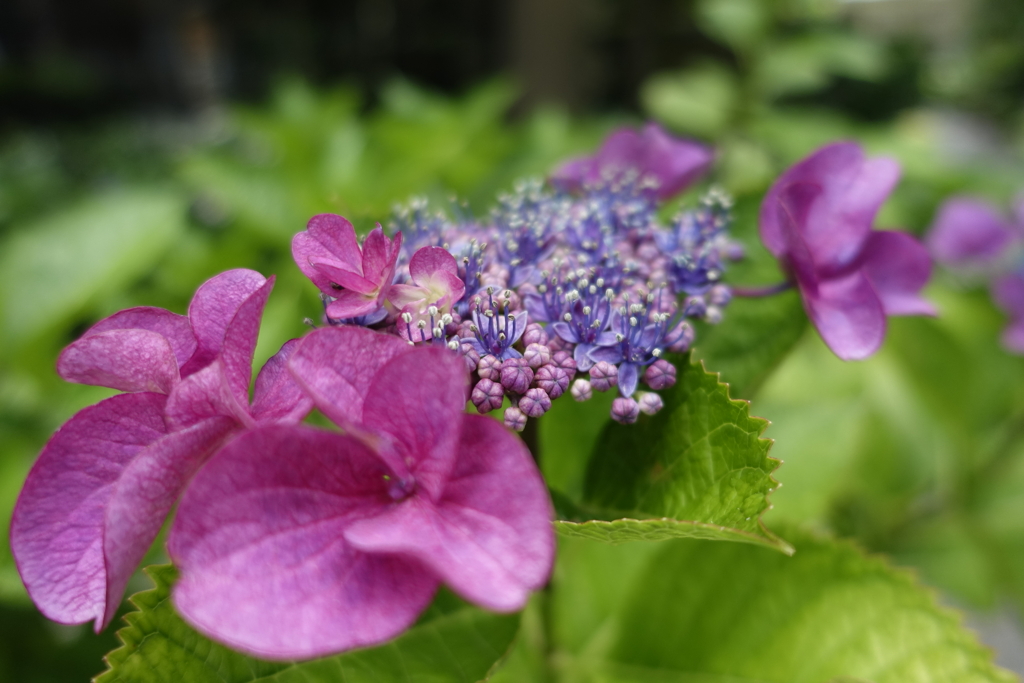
column 567, row 287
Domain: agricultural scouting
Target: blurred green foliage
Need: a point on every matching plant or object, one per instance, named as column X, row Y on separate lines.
column 918, row 452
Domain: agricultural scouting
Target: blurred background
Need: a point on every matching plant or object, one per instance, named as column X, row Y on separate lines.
column 147, row 144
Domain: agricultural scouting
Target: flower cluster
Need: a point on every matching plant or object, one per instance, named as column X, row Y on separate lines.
column 294, row 541
column 561, row 289
column 973, row 237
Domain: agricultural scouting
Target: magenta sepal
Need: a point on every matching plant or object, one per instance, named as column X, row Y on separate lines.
column 296, row 542
column 151, row 349
column 817, row 220
column 969, row 231
column 357, row 278
column 104, row 483
column 674, row 163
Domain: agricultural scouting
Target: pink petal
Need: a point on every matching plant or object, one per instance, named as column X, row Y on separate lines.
column 848, row 315
column 852, row 189
column 144, row 494
column 969, row 230
column 240, row 342
column 259, row 539
column 418, row 399
column 212, row 309
column 127, row 360
column 176, row 328
column 572, row 174
column 278, row 397
column 1012, row 337
column 403, row 296
column 1008, row 292
column 377, row 255
column 793, row 207
column 335, row 365
column 339, row 278
column 430, row 260
column 305, row 250
column 490, row 536
column 350, row 304
column 57, row 525
column 898, row 267
column 203, row 395
column 675, row 162
column 338, row 237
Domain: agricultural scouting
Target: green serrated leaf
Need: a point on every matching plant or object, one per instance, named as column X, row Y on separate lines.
column 717, row 612
column 696, row 469
column 452, row 641
column 752, row 340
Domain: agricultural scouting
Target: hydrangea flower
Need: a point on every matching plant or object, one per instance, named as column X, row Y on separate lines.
column 104, row 483
column 559, row 258
column 817, row 220
column 972, row 232
column 670, row 164
column 436, row 288
column 281, row 561
column 973, row 236
column 357, row 280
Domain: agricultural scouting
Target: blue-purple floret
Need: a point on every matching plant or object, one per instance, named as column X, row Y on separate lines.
column 420, row 226
column 641, row 336
column 695, row 245
column 606, row 286
column 527, row 222
column 587, row 313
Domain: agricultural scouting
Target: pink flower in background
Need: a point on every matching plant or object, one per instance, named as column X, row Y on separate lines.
column 358, row 279
column 104, row 483
column 1008, row 293
column 673, row 163
column 817, row 220
column 436, row 287
column 973, row 235
column 972, row 232
column 298, row 542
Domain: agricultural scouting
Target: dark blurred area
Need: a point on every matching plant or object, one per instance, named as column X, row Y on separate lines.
column 63, row 61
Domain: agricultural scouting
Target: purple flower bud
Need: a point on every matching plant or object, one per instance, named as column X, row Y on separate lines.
column 556, row 344
column 537, row 355
column 487, row 395
column 604, row 376
column 552, row 379
column 660, row 374
column 625, row 410
column 695, row 307
column 470, row 355
column 713, row 315
column 683, row 334
column 581, row 390
column 514, row 419
column 489, row 367
column 719, row 295
column 650, row 403
column 535, row 334
column 516, row 375
column 564, row 360
column 535, row 402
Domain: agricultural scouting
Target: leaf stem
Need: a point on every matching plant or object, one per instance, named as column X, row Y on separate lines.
column 757, row 292
column 531, row 437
